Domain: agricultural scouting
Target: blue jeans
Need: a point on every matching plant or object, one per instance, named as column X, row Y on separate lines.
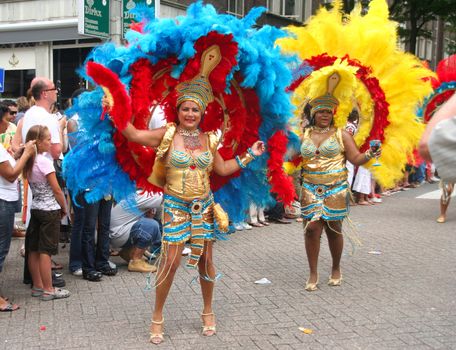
column 93, row 256
column 145, row 233
column 7, row 210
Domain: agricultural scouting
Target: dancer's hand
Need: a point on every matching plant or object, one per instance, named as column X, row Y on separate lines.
column 258, row 148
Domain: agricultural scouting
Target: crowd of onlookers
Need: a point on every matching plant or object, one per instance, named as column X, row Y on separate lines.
column 34, row 137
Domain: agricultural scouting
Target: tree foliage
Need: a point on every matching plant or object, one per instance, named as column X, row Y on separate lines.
column 415, row 14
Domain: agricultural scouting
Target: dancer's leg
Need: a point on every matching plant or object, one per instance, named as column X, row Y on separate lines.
column 336, row 245
column 312, row 237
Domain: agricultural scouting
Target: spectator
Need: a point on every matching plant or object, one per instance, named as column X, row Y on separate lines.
column 47, row 208
column 9, row 195
column 136, row 230
column 22, row 106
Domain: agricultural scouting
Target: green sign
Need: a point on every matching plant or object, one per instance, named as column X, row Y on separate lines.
column 93, row 19
column 128, row 18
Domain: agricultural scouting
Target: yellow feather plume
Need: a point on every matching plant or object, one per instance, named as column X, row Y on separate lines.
column 370, row 39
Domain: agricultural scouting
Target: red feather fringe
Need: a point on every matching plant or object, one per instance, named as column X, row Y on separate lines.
column 121, row 110
column 281, row 183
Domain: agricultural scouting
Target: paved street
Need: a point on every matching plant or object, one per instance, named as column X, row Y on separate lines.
column 402, row 297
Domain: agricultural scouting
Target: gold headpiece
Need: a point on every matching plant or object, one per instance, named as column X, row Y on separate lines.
column 198, row 89
column 327, row 101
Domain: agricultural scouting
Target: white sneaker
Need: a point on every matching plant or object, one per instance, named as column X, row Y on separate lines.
column 376, row 200
column 246, row 226
column 78, row 272
column 238, row 227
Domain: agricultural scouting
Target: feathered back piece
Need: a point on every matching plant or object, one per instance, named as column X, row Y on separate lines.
column 247, row 100
column 385, row 83
column 444, row 87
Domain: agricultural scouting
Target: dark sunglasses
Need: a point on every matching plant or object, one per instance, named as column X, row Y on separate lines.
column 12, row 112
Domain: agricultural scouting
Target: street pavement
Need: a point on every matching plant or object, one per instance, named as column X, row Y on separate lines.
column 398, row 292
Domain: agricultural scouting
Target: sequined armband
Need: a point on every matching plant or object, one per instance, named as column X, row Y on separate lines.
column 245, row 158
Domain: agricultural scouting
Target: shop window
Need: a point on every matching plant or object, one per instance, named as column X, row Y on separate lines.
column 66, row 62
column 17, row 82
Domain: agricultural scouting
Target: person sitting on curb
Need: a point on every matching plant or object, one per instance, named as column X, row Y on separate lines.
column 135, row 230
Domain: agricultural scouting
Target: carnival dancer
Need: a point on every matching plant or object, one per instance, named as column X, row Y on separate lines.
column 431, row 112
column 325, row 190
column 372, row 75
column 188, row 155
column 209, row 80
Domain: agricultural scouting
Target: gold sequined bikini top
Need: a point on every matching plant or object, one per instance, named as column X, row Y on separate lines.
column 181, row 159
column 324, row 164
column 179, row 173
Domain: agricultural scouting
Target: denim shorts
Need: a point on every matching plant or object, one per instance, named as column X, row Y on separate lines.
column 144, row 233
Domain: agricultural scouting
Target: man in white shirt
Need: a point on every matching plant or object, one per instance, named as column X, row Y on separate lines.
column 135, row 230
column 45, row 94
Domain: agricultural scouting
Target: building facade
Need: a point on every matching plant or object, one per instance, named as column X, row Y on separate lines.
column 40, row 37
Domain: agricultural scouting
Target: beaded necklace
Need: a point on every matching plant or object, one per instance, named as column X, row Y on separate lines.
column 191, row 138
column 321, row 130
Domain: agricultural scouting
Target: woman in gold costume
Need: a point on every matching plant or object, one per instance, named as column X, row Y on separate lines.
column 325, row 150
column 186, row 157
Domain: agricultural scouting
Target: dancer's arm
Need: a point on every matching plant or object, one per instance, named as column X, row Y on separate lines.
column 150, row 138
column 227, row 167
column 352, row 152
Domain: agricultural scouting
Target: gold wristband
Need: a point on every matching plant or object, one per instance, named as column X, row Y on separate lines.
column 244, row 159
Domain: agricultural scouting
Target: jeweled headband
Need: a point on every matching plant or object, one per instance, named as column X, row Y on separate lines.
column 198, row 90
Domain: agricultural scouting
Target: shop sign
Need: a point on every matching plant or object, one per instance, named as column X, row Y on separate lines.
column 128, row 18
column 2, row 80
column 93, row 18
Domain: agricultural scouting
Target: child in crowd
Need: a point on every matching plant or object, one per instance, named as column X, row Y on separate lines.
column 48, row 206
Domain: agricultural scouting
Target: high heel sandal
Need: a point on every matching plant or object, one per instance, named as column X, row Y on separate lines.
column 157, row 338
column 208, row 331
column 311, row 287
column 333, row 282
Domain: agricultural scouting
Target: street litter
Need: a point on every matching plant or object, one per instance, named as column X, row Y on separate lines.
column 306, row 330
column 42, row 328
column 375, row 252
column 264, row 280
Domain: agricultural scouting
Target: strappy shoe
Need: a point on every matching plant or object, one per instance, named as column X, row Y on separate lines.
column 208, row 331
column 311, row 287
column 157, row 338
column 333, row 282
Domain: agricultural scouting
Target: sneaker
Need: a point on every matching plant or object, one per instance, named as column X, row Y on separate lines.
column 77, row 272
column 376, row 200
column 238, row 227
column 246, row 226
column 108, row 270
column 58, row 282
column 112, row 265
column 92, row 276
column 140, row 265
column 56, row 294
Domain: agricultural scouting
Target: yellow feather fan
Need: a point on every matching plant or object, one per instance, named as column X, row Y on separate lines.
column 375, row 75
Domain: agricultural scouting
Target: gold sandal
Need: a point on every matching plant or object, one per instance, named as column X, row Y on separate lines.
column 208, row 331
column 157, row 338
column 311, row 287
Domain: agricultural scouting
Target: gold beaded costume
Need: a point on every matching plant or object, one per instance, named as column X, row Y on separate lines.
column 325, row 188
column 188, row 201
